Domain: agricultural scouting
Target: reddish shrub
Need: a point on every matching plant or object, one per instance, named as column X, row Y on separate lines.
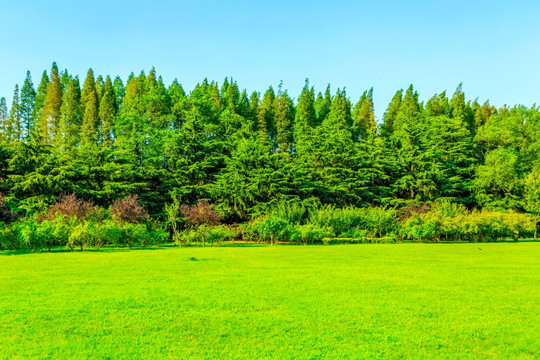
column 200, row 213
column 128, row 210
column 69, row 206
column 6, row 215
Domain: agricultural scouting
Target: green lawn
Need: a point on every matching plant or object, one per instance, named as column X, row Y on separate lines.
column 418, row 301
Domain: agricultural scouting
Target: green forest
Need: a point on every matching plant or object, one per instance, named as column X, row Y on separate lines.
column 99, row 161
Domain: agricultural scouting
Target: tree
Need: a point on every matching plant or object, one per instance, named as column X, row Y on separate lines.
column 322, row 105
column 28, row 97
column 50, row 117
column 41, row 94
column 284, row 108
column 13, row 130
column 70, row 118
column 3, row 118
column 266, row 118
column 389, row 117
column 107, row 112
column 89, row 110
column 364, row 116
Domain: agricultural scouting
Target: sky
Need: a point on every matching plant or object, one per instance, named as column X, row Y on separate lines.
column 492, row 47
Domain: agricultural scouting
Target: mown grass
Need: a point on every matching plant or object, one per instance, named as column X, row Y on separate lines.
column 418, row 301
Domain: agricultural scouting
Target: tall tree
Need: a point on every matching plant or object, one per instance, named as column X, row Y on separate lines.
column 41, row 94
column 13, row 130
column 71, row 119
column 266, row 118
column 28, row 96
column 364, row 116
column 4, row 116
column 89, row 110
column 50, row 116
column 107, row 112
column 284, row 108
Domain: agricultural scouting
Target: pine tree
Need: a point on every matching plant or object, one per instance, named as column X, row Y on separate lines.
column 71, row 118
column 179, row 102
column 13, row 130
column 284, row 114
column 107, row 112
column 50, row 116
column 3, row 119
column 39, row 102
column 89, row 110
column 28, row 96
column 266, row 118
column 305, row 118
column 119, row 90
column 364, row 116
column 409, row 110
column 389, row 118
column 322, row 105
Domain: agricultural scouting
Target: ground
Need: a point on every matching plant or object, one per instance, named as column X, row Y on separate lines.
column 417, row 301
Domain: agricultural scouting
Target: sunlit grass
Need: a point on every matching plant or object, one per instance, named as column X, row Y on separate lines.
column 285, row 302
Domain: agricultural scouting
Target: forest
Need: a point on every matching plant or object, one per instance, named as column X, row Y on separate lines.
column 140, row 162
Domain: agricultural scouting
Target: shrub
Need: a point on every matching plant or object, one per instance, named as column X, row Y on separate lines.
column 201, row 213
column 273, row 228
column 311, row 234
column 70, row 207
column 128, row 210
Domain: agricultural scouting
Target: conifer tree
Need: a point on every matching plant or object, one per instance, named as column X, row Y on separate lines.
column 284, row 110
column 364, row 116
column 39, row 102
column 179, row 102
column 389, row 118
column 3, row 119
column 107, row 112
column 305, row 118
column 89, row 110
column 71, row 118
column 28, row 96
column 266, row 118
column 119, row 90
column 50, row 116
column 13, row 131
column 322, row 105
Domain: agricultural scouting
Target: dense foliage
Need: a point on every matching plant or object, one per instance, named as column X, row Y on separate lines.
column 239, row 158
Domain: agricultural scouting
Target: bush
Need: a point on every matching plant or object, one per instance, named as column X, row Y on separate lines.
column 201, row 213
column 311, row 234
column 128, row 210
column 356, row 222
column 70, row 207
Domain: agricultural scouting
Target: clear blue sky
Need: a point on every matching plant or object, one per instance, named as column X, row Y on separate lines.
column 493, row 47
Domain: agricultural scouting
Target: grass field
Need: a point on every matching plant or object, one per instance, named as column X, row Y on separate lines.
column 418, row 301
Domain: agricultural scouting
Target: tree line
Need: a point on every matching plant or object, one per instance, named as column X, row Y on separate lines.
column 248, row 153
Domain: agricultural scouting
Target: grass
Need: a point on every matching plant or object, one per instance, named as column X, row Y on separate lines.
column 417, row 301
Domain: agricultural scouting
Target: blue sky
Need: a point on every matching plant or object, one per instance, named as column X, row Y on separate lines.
column 492, row 47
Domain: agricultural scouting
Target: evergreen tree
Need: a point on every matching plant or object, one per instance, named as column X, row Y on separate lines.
column 89, row 110
column 389, row 118
column 107, row 112
column 364, row 116
column 71, row 118
column 119, row 90
column 41, row 94
column 50, row 116
column 28, row 96
column 13, row 131
column 322, row 105
column 284, row 122
column 3, row 119
column 266, row 118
